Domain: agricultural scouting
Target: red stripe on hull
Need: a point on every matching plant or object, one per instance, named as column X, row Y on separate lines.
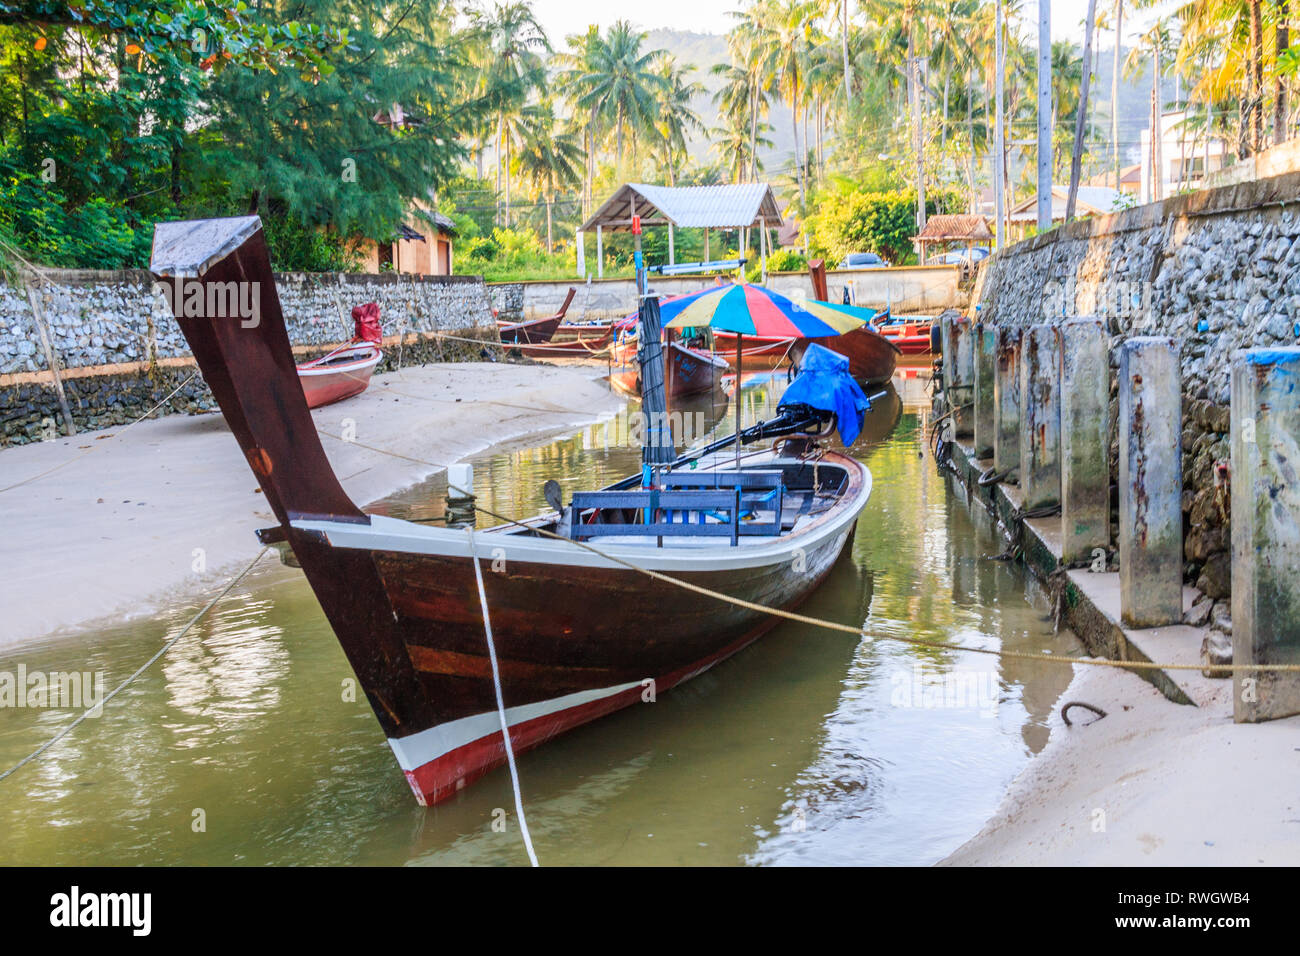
column 442, row 778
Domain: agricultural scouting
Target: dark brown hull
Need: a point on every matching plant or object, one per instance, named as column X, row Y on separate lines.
column 577, row 634
column 872, row 357
column 536, row 332
column 690, row 371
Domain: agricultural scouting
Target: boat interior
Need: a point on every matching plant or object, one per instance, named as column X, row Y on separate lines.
column 772, row 497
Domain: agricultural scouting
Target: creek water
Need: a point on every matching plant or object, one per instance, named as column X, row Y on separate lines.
column 244, row 744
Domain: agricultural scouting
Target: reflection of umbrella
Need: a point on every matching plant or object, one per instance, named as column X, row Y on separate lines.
column 753, row 310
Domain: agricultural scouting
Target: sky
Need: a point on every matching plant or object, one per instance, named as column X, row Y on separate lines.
column 562, row 17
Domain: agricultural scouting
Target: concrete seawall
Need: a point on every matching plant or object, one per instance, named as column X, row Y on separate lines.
column 118, row 351
column 1216, row 271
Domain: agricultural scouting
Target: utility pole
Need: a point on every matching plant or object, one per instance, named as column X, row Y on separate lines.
column 999, row 135
column 1076, row 157
column 1044, row 115
column 918, row 138
column 1114, row 94
column 844, row 10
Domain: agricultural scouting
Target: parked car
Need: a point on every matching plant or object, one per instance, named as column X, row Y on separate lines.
column 863, row 260
column 962, row 258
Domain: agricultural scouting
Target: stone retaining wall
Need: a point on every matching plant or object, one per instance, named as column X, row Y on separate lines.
column 120, row 351
column 1218, row 270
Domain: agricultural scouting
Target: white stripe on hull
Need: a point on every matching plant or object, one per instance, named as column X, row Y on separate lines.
column 428, row 745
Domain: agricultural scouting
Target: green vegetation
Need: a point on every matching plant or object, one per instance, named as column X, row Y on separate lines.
column 331, row 118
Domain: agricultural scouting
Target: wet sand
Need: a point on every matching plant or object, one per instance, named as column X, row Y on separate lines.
column 1152, row 784
column 167, row 510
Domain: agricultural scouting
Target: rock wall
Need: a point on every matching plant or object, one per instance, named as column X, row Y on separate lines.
column 120, row 351
column 1218, row 270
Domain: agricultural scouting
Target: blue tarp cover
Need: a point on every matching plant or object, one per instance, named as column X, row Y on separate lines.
column 824, row 382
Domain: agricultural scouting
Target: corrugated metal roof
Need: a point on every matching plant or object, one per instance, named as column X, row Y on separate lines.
column 718, row 207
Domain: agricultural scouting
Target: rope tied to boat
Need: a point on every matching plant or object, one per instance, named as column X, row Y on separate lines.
column 501, row 706
column 835, row 625
column 99, row 706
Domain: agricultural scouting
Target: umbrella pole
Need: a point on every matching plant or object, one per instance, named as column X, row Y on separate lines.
column 739, row 372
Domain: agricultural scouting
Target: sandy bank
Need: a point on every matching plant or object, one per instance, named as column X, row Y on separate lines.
column 117, row 531
column 1174, row 785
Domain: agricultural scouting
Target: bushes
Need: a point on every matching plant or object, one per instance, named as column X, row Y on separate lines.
column 95, row 235
column 296, row 247
column 879, row 222
column 512, row 254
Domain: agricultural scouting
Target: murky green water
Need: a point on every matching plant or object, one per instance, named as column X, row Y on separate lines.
column 809, row 747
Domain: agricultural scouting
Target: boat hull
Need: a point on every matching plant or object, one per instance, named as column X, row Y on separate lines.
column 574, row 341
column 911, row 338
column 324, row 384
column 690, row 371
column 756, row 352
column 576, row 636
column 872, row 357
column 535, row 332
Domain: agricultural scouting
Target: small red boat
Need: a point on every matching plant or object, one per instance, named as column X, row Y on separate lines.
column 346, row 370
column 911, row 338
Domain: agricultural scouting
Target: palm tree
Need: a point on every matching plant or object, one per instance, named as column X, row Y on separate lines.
column 620, row 84
column 734, row 144
column 549, row 161
column 676, row 120
column 511, row 46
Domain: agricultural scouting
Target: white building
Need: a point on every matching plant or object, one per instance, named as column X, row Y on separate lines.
column 1186, row 156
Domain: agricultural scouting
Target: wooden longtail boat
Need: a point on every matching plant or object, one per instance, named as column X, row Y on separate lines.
column 872, row 357
column 577, row 632
column 535, row 331
column 688, row 371
column 757, row 352
column 573, row 341
column 911, row 338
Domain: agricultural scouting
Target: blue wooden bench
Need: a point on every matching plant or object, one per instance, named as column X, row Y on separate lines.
column 687, row 501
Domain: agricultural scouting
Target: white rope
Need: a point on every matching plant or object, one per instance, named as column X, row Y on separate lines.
column 501, row 706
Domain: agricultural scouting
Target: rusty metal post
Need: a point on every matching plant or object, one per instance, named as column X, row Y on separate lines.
column 1150, row 483
column 1085, row 438
column 1266, row 530
column 1040, row 418
column 985, row 350
column 1006, row 401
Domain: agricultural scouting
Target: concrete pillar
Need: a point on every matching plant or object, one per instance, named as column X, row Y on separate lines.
column 1266, row 530
column 672, row 249
column 1085, row 438
column 581, row 254
column 985, row 350
column 1040, row 418
column 600, row 252
column 1150, row 483
column 1006, row 401
column 959, row 371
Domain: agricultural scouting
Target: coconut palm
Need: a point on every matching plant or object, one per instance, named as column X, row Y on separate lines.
column 676, row 119
column 620, row 84
column 549, row 160
column 511, row 46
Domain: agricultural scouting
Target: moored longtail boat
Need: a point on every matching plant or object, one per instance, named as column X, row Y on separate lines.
column 758, row 352
column 872, row 357
column 688, row 371
column 577, row 632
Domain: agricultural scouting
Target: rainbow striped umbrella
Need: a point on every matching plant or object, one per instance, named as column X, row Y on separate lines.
column 753, row 310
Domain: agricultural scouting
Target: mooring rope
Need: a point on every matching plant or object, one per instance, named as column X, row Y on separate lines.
column 139, row 670
column 834, row 625
column 501, row 706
